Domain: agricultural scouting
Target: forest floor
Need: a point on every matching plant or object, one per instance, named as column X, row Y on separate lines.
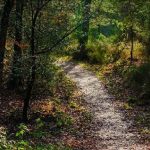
column 113, row 130
column 79, row 115
column 58, row 121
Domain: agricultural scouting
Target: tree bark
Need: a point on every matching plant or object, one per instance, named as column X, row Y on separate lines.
column 29, row 91
column 3, row 32
column 33, row 71
column 15, row 77
column 31, row 79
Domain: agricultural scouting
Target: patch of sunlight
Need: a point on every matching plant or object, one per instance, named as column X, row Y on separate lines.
column 145, row 131
column 127, row 106
column 64, row 58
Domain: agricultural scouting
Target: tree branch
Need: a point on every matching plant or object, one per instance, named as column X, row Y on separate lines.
column 46, row 50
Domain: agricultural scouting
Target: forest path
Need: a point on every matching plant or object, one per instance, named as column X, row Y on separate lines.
column 109, row 124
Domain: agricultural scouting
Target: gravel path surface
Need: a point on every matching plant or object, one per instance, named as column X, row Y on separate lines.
column 109, row 124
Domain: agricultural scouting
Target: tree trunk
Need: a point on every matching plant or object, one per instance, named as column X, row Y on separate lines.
column 3, row 32
column 33, row 73
column 85, row 27
column 15, row 77
column 29, row 91
column 33, row 68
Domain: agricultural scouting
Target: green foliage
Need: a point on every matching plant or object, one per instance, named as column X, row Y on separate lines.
column 4, row 143
column 62, row 119
column 139, row 78
column 23, row 145
column 46, row 74
column 97, row 52
column 127, row 106
column 38, row 132
column 22, row 129
column 110, row 24
column 73, row 104
column 19, row 144
column 39, row 123
column 139, row 75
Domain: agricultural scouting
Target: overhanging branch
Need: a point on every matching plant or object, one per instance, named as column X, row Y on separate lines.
column 47, row 50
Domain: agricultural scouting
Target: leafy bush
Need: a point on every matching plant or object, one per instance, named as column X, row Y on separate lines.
column 19, row 144
column 4, row 143
column 62, row 119
column 97, row 52
column 46, row 74
column 139, row 78
column 22, row 129
column 139, row 75
column 22, row 144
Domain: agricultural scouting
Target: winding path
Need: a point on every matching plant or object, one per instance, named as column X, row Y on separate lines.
column 110, row 127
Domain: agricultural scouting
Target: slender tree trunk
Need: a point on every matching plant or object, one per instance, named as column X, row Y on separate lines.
column 3, row 32
column 31, row 79
column 29, row 91
column 33, row 73
column 15, row 77
column 85, row 26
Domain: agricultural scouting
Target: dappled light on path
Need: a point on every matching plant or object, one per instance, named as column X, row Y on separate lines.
column 109, row 126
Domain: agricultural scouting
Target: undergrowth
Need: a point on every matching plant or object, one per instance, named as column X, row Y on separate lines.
column 51, row 117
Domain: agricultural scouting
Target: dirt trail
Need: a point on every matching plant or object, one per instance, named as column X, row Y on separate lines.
column 110, row 127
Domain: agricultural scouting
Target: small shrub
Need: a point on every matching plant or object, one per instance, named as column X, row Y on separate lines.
column 4, row 143
column 97, row 53
column 127, row 106
column 139, row 78
column 23, row 145
column 73, row 104
column 22, row 129
column 63, row 119
column 39, row 123
column 38, row 134
column 139, row 74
